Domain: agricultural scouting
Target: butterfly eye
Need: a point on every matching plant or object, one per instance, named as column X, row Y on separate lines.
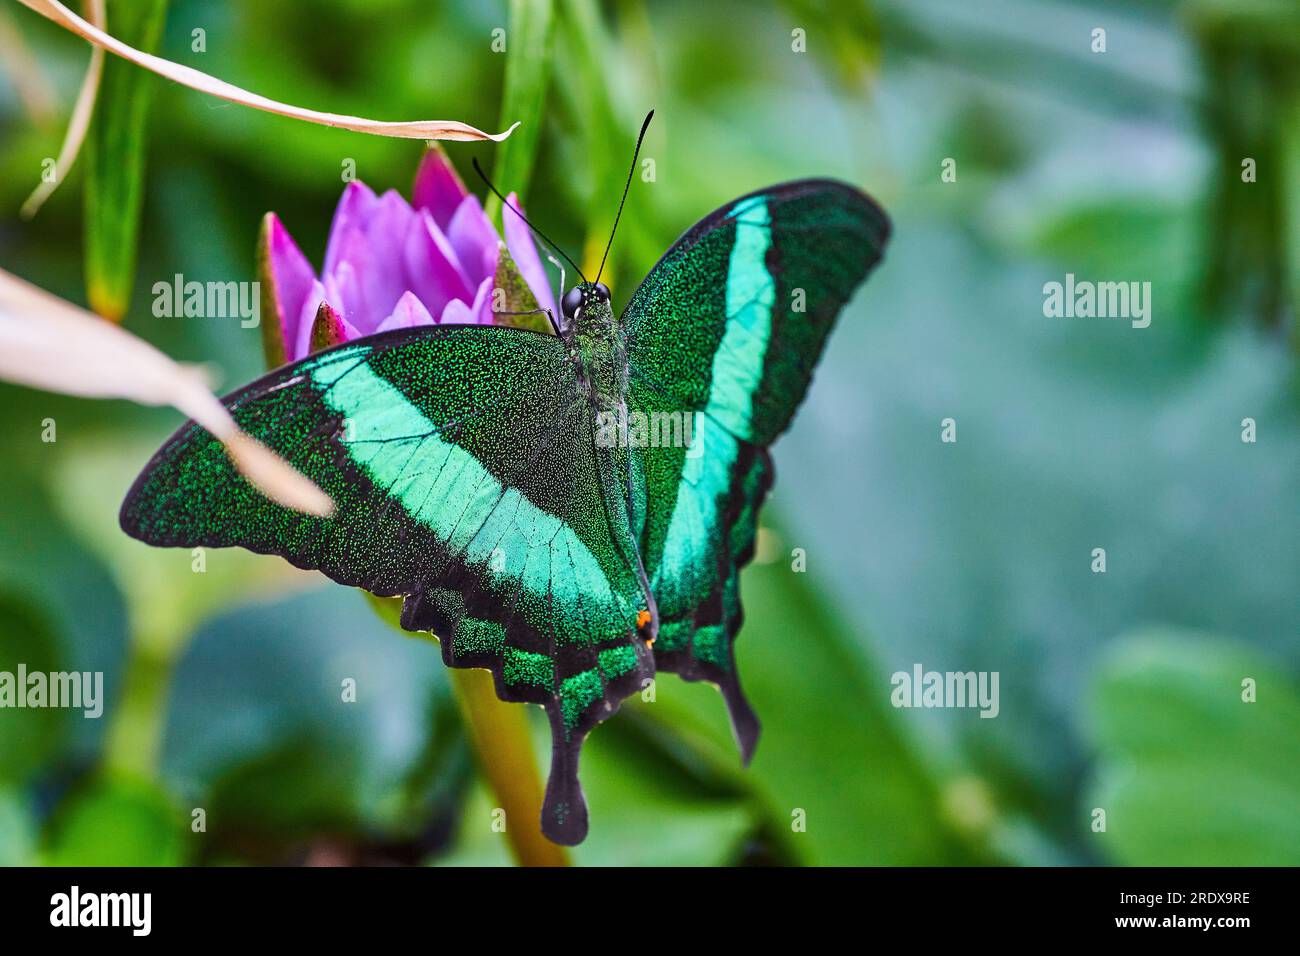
column 571, row 301
column 601, row 291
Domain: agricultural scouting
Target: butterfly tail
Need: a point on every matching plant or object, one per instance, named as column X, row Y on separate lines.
column 744, row 722
column 564, row 809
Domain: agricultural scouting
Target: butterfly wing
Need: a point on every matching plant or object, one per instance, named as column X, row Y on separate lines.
column 727, row 328
column 465, row 478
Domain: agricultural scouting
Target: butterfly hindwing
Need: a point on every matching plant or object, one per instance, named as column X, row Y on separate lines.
column 465, row 476
column 695, row 550
column 725, row 333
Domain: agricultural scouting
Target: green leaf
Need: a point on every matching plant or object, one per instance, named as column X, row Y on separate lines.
column 115, row 159
column 605, row 147
column 39, row 556
column 17, row 830
column 389, row 610
column 833, row 757
column 1249, row 51
column 528, row 73
column 280, row 795
column 169, row 591
column 258, row 727
column 29, row 737
column 118, row 822
column 1190, row 772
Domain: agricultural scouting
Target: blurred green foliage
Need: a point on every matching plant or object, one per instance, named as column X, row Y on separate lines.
column 223, row 685
column 1187, row 773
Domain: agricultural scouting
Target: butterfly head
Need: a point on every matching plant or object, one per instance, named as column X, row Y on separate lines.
column 587, row 304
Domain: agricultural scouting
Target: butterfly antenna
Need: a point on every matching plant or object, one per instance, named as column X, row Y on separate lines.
column 537, row 232
column 628, row 185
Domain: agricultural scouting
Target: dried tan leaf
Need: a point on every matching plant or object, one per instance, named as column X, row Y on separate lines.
column 196, row 80
column 50, row 344
column 79, row 123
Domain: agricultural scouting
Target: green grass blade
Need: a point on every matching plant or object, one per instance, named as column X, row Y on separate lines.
column 115, row 160
column 528, row 74
column 599, row 130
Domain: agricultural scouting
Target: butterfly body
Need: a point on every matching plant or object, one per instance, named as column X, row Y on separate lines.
column 473, row 477
column 597, row 345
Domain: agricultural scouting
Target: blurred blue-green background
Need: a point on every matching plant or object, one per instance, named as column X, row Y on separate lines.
column 1120, row 691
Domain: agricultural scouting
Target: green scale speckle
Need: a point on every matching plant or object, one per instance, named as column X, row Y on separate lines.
column 577, row 693
column 475, row 636
column 525, row 667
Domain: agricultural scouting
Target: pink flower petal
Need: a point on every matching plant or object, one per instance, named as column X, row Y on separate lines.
column 351, row 214
column 292, row 276
column 433, row 271
column 481, row 310
column 456, row 313
column 410, row 311
column 300, row 346
column 478, row 313
column 384, row 278
column 475, row 241
column 437, row 187
column 519, row 241
column 389, row 265
column 345, row 283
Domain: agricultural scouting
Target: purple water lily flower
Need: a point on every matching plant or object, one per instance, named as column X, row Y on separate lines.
column 391, row 264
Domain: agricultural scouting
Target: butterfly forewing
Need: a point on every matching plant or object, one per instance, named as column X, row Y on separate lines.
column 464, row 471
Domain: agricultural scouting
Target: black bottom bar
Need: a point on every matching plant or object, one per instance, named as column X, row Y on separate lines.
column 333, row 906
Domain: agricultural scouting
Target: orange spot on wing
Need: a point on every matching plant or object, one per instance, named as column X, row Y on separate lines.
column 642, row 618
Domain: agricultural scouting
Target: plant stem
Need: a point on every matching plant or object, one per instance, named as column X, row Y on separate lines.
column 135, row 734
column 499, row 732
